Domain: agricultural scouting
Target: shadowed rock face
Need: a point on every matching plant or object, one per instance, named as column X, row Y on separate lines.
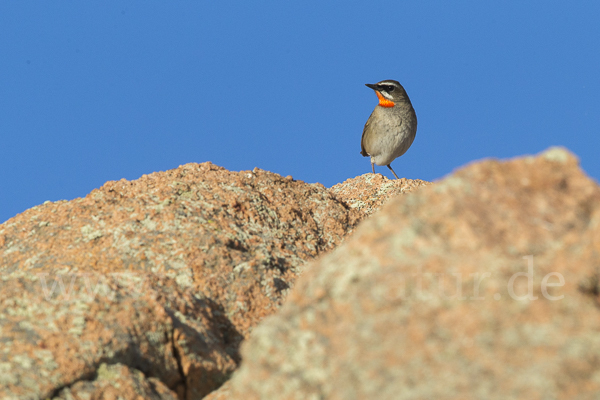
column 483, row 285
column 146, row 288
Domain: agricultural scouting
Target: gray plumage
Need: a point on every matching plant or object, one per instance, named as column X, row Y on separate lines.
column 391, row 130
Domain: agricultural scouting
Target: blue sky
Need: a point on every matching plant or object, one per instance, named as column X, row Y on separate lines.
column 98, row 91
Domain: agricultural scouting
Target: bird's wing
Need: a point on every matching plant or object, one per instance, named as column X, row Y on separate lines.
column 362, row 139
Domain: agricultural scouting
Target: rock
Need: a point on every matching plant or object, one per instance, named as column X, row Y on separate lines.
column 367, row 193
column 118, row 382
column 223, row 393
column 52, row 340
column 483, row 285
column 158, row 279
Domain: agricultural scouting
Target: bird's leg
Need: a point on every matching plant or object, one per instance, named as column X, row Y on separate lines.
column 390, row 167
column 373, row 166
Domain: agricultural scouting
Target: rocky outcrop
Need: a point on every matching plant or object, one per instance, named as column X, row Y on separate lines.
column 367, row 193
column 481, row 286
column 146, row 288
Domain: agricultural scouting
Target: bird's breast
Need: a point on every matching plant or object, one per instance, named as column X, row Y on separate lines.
column 390, row 132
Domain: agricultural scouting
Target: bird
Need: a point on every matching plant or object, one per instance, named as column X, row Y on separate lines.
column 392, row 126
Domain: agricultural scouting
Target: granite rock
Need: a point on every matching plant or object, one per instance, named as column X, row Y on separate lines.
column 155, row 281
column 367, row 193
column 482, row 285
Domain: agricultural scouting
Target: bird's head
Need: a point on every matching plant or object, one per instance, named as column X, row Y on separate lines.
column 389, row 92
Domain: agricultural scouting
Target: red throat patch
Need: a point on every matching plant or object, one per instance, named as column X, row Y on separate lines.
column 383, row 102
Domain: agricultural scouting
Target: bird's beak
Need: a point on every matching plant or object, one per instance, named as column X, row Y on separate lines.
column 371, row 85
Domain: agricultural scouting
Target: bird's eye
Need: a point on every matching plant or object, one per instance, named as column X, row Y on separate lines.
column 389, row 88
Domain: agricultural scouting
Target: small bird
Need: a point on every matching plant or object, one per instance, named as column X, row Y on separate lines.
column 392, row 126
